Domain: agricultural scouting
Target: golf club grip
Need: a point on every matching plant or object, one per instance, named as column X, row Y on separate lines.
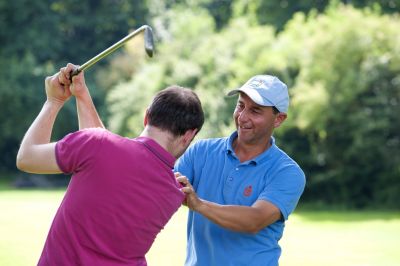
column 75, row 72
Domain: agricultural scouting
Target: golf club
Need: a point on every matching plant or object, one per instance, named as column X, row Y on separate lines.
column 148, row 46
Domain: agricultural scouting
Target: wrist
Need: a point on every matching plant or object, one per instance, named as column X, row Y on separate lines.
column 201, row 206
column 82, row 95
column 54, row 103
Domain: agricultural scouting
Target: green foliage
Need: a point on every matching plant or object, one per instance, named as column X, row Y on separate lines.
column 38, row 38
column 345, row 101
column 342, row 69
column 196, row 56
column 341, row 65
column 275, row 13
column 278, row 13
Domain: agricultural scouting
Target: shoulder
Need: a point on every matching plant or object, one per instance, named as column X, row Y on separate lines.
column 210, row 142
column 208, row 145
column 85, row 135
column 288, row 166
column 93, row 132
column 203, row 148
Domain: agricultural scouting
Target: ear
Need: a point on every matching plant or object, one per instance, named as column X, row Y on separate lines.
column 279, row 119
column 145, row 117
column 189, row 136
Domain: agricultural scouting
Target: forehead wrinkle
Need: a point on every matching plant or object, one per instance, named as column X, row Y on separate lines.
column 243, row 97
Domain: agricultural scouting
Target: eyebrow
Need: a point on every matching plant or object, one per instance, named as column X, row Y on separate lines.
column 254, row 107
column 257, row 108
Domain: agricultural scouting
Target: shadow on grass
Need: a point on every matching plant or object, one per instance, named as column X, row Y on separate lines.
column 24, row 181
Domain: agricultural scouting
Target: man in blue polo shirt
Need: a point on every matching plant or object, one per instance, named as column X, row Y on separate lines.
column 241, row 189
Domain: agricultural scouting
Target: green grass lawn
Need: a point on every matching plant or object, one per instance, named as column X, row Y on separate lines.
column 311, row 238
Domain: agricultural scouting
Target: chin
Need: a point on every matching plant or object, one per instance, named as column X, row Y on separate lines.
column 242, row 138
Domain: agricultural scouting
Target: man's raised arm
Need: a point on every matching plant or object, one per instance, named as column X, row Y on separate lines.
column 36, row 154
column 87, row 113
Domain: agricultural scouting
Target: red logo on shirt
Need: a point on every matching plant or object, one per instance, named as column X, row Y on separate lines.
column 247, row 191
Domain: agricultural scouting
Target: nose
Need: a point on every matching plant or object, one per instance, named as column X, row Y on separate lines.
column 242, row 116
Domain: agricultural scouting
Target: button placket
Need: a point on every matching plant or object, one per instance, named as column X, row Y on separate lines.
column 231, row 177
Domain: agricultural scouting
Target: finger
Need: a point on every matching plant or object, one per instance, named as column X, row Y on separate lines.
column 68, row 71
column 187, row 190
column 51, row 79
column 63, row 77
column 77, row 75
column 47, row 81
column 71, row 68
column 183, row 180
column 184, row 203
column 177, row 174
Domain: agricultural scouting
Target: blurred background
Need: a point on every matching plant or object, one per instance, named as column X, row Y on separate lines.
column 340, row 59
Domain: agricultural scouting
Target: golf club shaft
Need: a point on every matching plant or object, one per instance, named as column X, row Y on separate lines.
column 108, row 51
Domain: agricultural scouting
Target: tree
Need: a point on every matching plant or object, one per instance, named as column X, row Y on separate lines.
column 278, row 13
column 345, row 101
column 342, row 70
column 39, row 37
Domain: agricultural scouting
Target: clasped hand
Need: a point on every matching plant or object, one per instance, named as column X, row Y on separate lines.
column 192, row 201
column 60, row 87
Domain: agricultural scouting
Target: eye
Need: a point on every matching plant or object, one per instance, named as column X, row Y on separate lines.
column 239, row 106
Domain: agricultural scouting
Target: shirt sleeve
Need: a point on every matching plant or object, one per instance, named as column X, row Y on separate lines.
column 285, row 189
column 76, row 150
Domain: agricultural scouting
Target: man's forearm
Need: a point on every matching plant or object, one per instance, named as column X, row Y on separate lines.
column 247, row 219
column 40, row 130
column 87, row 113
column 232, row 217
column 38, row 133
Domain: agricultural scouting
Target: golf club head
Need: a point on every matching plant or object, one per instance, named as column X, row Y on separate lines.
column 149, row 41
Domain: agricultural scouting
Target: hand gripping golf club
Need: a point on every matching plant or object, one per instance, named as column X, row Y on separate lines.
column 148, row 46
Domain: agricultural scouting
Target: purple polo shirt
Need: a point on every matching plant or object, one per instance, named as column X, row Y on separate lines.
column 121, row 194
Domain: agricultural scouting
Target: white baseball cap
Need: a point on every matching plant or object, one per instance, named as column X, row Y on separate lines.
column 266, row 90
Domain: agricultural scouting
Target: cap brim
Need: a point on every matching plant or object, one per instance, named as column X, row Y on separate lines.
column 233, row 92
column 252, row 94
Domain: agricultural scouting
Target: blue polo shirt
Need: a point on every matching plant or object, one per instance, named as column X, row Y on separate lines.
column 218, row 176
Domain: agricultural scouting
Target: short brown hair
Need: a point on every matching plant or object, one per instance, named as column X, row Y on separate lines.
column 176, row 109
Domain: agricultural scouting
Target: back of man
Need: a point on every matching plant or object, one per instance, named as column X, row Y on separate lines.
column 122, row 191
column 121, row 195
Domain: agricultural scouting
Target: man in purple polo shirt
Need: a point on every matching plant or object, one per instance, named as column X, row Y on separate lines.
column 122, row 191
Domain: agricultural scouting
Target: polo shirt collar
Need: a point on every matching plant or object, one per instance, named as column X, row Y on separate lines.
column 260, row 158
column 158, row 150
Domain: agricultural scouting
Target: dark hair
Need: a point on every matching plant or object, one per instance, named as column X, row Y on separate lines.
column 275, row 110
column 176, row 109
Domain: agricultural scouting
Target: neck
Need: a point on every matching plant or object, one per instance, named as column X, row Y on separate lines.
column 163, row 138
column 247, row 151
